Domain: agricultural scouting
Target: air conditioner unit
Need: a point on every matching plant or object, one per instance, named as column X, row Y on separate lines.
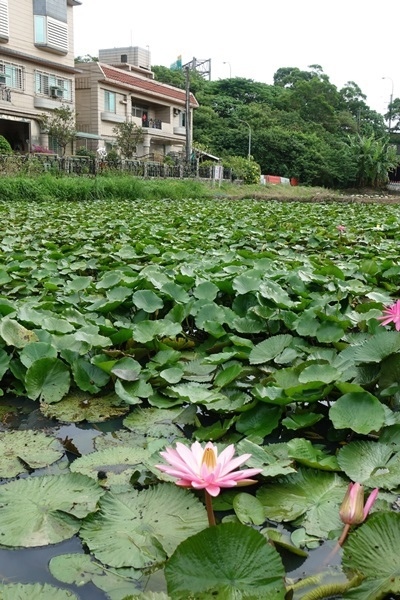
column 2, row 79
column 56, row 92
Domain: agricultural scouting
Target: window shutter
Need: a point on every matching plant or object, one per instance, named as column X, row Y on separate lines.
column 4, row 27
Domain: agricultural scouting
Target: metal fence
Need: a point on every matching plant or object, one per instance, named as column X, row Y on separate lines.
column 37, row 163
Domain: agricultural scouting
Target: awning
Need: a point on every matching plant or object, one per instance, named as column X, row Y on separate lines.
column 88, row 136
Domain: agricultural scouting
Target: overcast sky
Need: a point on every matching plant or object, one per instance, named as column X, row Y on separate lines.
column 352, row 40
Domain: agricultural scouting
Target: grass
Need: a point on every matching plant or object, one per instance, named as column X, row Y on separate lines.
column 127, row 187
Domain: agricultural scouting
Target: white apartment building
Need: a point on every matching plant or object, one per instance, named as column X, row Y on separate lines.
column 36, row 66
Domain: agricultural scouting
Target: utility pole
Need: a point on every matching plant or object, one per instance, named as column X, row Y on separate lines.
column 187, row 120
column 249, row 150
column 390, row 102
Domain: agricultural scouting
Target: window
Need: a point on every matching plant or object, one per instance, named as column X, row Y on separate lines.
column 182, row 119
column 138, row 110
column 51, row 34
column 49, row 84
column 11, row 75
column 4, row 28
column 110, row 101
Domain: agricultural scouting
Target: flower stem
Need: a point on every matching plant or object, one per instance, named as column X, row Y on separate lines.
column 209, row 507
column 344, row 534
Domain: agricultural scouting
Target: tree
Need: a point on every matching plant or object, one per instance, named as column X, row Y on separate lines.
column 60, row 125
column 128, row 136
column 87, row 58
column 374, row 158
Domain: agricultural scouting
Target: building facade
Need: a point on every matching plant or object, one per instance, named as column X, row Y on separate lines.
column 38, row 74
column 121, row 88
column 36, row 67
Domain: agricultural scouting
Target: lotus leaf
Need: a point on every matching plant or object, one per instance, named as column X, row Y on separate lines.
column 23, row 451
column 141, row 529
column 46, row 509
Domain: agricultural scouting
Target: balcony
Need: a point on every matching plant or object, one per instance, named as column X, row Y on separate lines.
column 112, row 117
column 179, row 130
column 5, row 93
column 152, row 123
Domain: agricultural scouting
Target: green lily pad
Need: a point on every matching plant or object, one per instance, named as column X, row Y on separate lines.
column 310, row 497
column 372, row 550
column 305, row 453
column 34, row 591
column 269, row 349
column 112, row 466
column 47, row 379
column 45, row 510
column 78, row 406
column 360, row 411
column 140, row 529
column 226, row 561
column 379, row 347
column 248, row 509
column 21, row 451
column 159, row 422
column 80, row 569
column 371, row 463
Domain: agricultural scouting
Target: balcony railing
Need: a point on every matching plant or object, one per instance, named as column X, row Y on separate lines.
column 152, row 123
column 5, row 93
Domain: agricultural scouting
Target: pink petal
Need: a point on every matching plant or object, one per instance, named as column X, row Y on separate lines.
column 370, row 501
column 226, row 454
column 191, row 456
column 234, row 463
column 175, row 472
column 213, row 490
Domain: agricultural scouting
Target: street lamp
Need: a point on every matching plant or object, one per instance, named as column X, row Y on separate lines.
column 391, row 101
column 249, row 150
column 230, row 68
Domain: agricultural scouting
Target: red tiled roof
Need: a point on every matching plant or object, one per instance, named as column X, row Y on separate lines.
column 147, row 86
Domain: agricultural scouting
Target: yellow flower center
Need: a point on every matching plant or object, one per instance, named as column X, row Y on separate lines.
column 209, row 458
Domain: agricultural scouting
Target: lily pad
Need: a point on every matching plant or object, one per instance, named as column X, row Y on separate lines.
column 80, row 569
column 21, row 451
column 112, row 466
column 305, row 453
column 227, row 561
column 371, row 463
column 372, row 550
column 34, row 591
column 141, row 529
column 158, row 422
column 79, row 406
column 360, row 411
column 310, row 497
column 45, row 510
column 47, row 379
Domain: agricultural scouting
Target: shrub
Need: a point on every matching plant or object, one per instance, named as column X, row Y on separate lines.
column 82, row 151
column 5, row 147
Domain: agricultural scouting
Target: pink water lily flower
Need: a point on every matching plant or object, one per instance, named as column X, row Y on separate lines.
column 352, row 510
column 203, row 468
column 341, row 228
column 391, row 314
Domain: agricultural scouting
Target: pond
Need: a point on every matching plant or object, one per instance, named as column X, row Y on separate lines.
column 129, row 327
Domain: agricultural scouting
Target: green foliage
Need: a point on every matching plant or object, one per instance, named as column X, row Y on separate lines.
column 373, row 158
column 128, row 136
column 5, row 147
column 60, row 125
column 243, row 168
column 177, row 78
column 300, row 125
column 82, row 151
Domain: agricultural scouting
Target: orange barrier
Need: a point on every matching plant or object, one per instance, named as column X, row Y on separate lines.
column 272, row 179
